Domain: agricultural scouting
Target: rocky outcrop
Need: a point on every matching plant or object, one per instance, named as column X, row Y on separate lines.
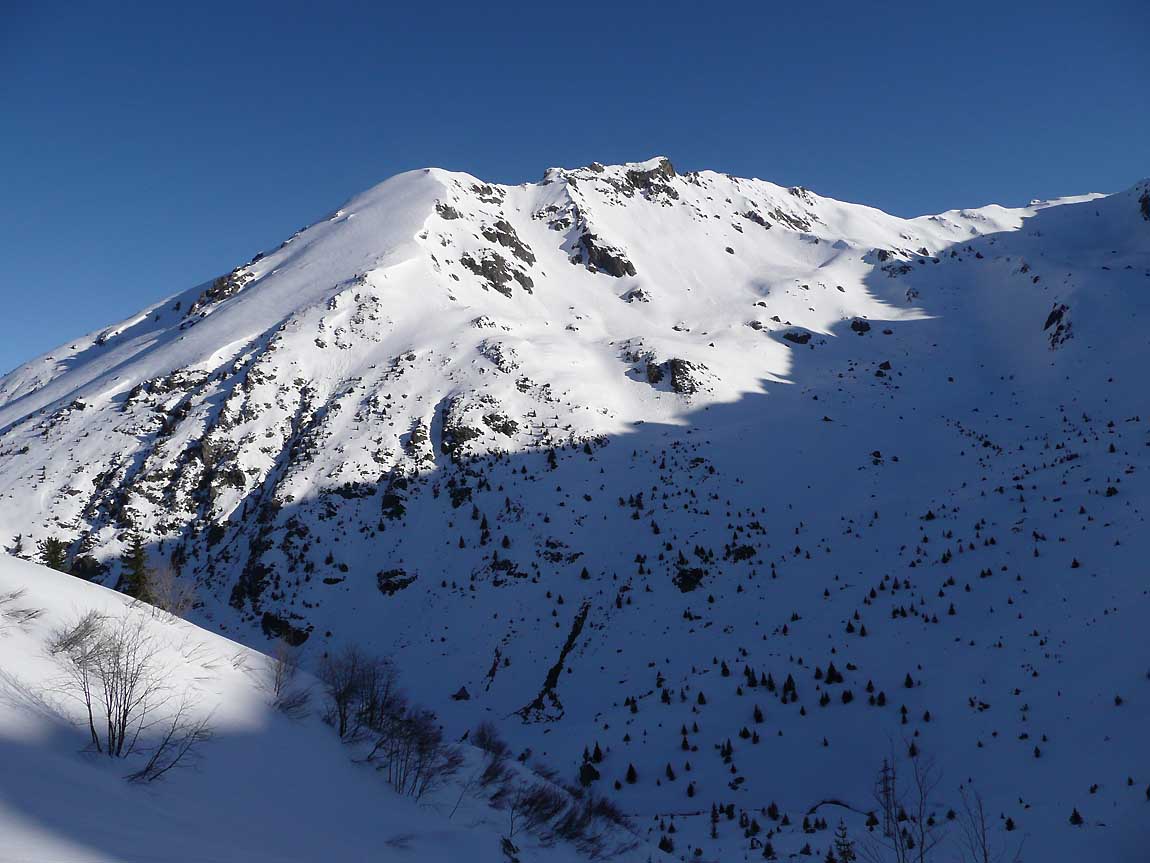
column 503, row 233
column 494, row 269
column 391, row 581
column 601, row 257
column 221, row 289
column 1058, row 325
column 655, row 181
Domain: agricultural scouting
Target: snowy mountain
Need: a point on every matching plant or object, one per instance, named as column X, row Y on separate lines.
column 609, row 458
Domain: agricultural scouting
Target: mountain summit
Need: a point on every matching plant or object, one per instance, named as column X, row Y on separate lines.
column 641, row 456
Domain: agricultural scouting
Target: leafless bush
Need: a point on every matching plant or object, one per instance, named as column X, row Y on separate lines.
column 486, row 737
column 365, row 703
column 112, row 668
column 287, row 696
column 411, row 752
column 908, row 830
column 353, row 682
column 166, row 590
column 596, row 827
column 495, row 772
column 541, row 803
column 74, row 636
column 593, row 825
column 979, row 844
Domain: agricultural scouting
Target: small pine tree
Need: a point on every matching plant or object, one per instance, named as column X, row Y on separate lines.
column 134, row 569
column 1075, row 818
column 632, row 774
column 844, row 847
column 54, row 554
column 587, row 774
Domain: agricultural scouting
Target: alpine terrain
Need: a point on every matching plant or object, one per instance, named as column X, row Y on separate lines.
column 744, row 522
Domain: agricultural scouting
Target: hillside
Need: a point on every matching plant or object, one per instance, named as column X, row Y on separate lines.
column 608, row 457
column 263, row 786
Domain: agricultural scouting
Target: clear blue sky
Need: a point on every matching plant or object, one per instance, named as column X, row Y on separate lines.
column 148, row 146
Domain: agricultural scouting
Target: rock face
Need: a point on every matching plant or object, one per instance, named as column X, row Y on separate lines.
column 600, row 257
column 553, row 444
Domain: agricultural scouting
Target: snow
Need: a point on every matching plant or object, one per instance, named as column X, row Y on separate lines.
column 334, row 419
column 265, row 788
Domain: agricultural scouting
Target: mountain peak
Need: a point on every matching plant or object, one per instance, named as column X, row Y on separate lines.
column 610, row 453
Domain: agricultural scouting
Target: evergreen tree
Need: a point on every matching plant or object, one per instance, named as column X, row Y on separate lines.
column 54, row 554
column 587, row 774
column 134, row 570
column 844, row 847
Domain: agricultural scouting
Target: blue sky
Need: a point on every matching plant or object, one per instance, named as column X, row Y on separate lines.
column 147, row 147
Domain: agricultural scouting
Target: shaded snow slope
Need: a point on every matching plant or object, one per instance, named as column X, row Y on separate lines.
column 576, row 445
column 264, row 788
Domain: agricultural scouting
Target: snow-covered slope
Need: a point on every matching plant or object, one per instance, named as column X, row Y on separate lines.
column 576, row 445
column 264, row 787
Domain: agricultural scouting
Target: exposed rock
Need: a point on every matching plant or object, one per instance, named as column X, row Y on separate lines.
column 503, row 357
column 860, row 326
column 754, row 216
column 655, row 181
column 501, row 423
column 797, row 336
column 276, row 627
column 221, row 289
column 391, row 581
column 495, row 269
column 791, row 220
column 489, row 194
column 537, row 708
column 503, row 233
column 1059, row 319
column 446, row 211
column 1055, row 315
column 599, row 256
column 684, row 376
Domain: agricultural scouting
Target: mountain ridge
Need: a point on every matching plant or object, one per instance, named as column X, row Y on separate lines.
column 575, row 447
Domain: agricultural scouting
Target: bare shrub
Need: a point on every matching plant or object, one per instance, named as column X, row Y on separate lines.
column 909, row 833
column 73, row 636
column 412, row 754
column 979, row 842
column 345, row 677
column 365, row 703
column 540, row 803
column 166, row 590
column 486, row 737
column 112, row 668
column 592, row 824
column 288, row 697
